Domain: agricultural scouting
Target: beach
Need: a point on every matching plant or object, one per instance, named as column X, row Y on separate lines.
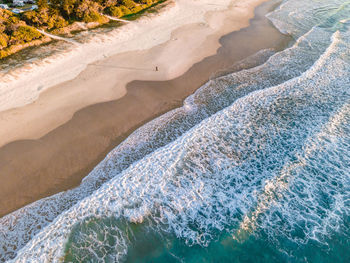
column 211, row 145
column 52, row 143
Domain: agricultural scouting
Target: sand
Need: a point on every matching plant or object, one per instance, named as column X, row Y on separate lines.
column 23, row 86
column 50, row 145
column 189, row 31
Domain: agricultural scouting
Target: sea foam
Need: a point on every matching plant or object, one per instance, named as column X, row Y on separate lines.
column 259, row 152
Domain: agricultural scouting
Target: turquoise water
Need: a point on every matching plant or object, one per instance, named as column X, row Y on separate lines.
column 155, row 246
column 253, row 168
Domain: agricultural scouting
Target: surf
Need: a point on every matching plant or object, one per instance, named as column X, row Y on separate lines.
column 232, row 165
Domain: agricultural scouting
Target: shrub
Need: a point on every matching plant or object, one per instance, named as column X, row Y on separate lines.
column 61, row 22
column 115, row 11
column 92, row 16
column 56, row 14
column 129, row 4
column 24, row 34
column 3, row 40
column 125, row 10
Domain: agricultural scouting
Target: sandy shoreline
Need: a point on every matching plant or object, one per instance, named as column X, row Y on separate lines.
column 105, row 79
column 66, row 138
column 21, row 87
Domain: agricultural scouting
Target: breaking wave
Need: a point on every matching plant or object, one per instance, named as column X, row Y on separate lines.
column 256, row 160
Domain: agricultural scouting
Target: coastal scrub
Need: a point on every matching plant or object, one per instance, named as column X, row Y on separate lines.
column 15, row 34
column 18, row 31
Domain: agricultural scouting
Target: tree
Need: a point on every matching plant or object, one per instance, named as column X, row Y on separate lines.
column 42, row 4
column 68, row 8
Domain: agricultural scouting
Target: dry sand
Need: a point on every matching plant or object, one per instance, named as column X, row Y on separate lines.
column 51, row 144
column 105, row 80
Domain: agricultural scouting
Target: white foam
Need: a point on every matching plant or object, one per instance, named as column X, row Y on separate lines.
column 306, row 80
column 211, row 174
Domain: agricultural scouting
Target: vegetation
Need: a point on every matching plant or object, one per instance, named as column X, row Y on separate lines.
column 14, row 32
column 55, row 14
column 18, row 31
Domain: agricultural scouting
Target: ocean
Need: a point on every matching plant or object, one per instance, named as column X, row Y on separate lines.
column 255, row 167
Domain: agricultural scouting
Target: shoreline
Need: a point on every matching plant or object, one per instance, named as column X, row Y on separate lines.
column 25, row 85
column 66, row 154
column 62, row 90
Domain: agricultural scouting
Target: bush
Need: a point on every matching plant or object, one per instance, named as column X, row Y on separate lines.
column 60, row 22
column 125, row 10
column 115, row 11
column 129, row 4
column 56, row 14
column 92, row 16
column 3, row 40
column 24, row 34
column 3, row 53
column 36, row 18
column 88, row 11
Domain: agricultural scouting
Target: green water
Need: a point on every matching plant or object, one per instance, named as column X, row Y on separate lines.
column 148, row 245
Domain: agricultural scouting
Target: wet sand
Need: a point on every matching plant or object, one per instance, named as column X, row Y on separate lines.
column 33, row 169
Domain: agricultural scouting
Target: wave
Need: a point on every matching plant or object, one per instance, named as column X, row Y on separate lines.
column 245, row 152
